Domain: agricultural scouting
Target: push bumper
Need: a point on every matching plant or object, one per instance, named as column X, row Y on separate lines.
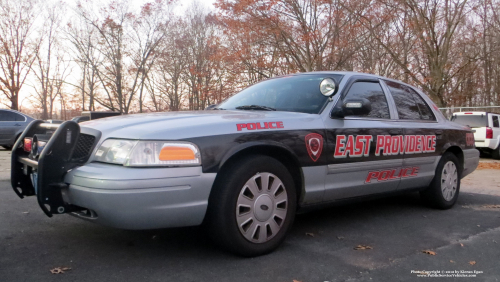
column 139, row 198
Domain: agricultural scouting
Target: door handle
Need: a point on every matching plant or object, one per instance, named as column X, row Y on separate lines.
column 439, row 132
column 17, row 124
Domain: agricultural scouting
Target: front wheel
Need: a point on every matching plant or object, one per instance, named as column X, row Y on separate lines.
column 252, row 206
column 445, row 187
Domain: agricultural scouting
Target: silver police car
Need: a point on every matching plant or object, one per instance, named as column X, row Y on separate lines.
column 247, row 165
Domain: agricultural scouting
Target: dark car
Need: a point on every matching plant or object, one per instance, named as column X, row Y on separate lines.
column 12, row 124
column 244, row 168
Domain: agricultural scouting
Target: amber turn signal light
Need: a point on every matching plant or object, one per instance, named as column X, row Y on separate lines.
column 174, row 153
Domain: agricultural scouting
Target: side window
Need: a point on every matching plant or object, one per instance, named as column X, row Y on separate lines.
column 495, row 121
column 18, row 117
column 425, row 110
column 372, row 91
column 405, row 103
column 410, row 104
column 10, row 116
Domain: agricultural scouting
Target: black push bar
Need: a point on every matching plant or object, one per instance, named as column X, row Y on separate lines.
column 51, row 165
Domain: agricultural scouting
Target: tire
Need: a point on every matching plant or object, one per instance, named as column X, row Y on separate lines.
column 243, row 217
column 443, row 191
column 496, row 153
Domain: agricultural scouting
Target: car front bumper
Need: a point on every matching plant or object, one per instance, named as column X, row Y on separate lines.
column 139, row 198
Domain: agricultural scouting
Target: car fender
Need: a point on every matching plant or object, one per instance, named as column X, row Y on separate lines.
column 256, row 144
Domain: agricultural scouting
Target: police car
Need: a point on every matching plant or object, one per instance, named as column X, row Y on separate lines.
column 245, row 167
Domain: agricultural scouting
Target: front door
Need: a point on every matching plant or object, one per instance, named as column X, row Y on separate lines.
column 363, row 151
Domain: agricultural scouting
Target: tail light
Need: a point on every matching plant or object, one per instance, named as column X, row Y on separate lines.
column 489, row 133
column 28, row 142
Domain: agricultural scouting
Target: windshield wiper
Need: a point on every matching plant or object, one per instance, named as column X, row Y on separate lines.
column 255, row 107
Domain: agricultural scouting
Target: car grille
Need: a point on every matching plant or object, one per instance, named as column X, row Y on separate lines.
column 83, row 146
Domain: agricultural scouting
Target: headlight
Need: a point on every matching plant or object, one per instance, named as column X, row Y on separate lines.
column 148, row 153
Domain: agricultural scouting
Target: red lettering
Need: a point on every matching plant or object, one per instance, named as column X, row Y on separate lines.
column 251, row 126
column 372, row 175
column 339, row 146
column 271, row 125
column 401, row 144
column 387, row 145
column 395, row 145
column 384, row 175
column 433, row 143
column 418, row 148
column 368, row 140
column 411, row 144
column 280, row 124
column 358, row 149
column 426, row 143
column 414, row 171
column 349, row 147
column 406, row 170
column 391, row 176
column 240, row 126
column 380, row 144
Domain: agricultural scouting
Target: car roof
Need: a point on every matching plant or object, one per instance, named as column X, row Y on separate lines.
column 347, row 74
column 17, row 112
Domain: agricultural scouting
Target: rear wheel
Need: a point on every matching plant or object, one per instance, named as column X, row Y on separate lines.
column 252, row 206
column 445, row 187
column 496, row 153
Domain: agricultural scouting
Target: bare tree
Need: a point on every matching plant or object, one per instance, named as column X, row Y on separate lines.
column 19, row 45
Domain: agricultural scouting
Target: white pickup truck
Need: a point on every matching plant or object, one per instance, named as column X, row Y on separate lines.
column 486, row 130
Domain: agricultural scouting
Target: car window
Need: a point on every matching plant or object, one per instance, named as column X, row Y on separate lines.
column 405, row 102
column 425, row 110
column 471, row 120
column 495, row 121
column 372, row 91
column 10, row 116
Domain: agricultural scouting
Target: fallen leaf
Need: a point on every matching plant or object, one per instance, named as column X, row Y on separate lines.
column 310, row 234
column 452, row 261
column 26, row 212
column 478, row 225
column 296, row 280
column 340, row 237
column 363, row 247
column 461, row 245
column 58, row 270
column 429, row 252
column 472, row 262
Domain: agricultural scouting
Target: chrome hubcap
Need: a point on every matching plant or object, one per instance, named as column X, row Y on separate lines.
column 449, row 180
column 261, row 207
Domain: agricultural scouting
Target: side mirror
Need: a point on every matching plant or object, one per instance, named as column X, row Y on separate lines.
column 352, row 107
column 356, row 107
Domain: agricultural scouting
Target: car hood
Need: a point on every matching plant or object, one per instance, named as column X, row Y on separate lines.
column 181, row 125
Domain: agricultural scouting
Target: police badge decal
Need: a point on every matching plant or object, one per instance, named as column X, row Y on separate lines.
column 314, row 145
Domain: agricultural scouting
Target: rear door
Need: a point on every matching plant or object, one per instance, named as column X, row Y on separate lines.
column 423, row 136
column 362, row 150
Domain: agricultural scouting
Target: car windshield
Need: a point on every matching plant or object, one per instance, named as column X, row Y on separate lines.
column 292, row 93
column 471, row 120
